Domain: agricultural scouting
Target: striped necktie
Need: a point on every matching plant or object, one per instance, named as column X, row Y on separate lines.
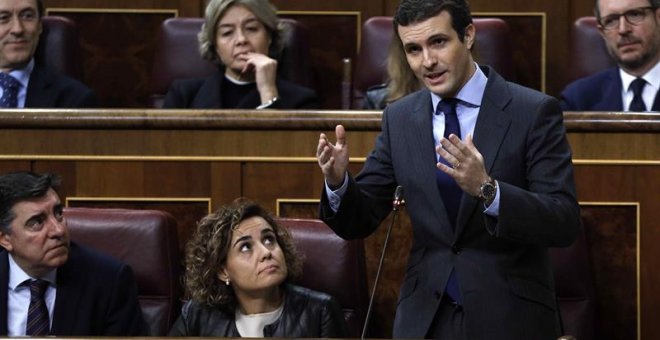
column 38, row 320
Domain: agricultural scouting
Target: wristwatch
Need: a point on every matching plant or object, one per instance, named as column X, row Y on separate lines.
column 487, row 191
column 267, row 104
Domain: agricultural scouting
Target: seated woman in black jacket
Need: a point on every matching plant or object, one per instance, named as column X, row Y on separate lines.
column 243, row 37
column 239, row 265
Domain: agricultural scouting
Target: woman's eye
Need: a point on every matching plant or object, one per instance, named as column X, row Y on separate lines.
column 245, row 247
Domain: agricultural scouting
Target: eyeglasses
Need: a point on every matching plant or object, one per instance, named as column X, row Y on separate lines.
column 633, row 16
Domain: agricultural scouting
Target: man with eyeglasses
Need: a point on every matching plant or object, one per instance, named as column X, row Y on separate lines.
column 631, row 32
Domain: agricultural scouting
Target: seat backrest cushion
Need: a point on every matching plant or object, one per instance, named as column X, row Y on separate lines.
column 332, row 265
column 588, row 54
column 59, row 47
column 574, row 288
column 147, row 241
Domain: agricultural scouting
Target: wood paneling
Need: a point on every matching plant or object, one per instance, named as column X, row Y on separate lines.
column 611, row 231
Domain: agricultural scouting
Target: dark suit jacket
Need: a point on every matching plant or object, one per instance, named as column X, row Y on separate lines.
column 96, row 296
column 48, row 89
column 502, row 263
column 206, row 93
column 598, row 92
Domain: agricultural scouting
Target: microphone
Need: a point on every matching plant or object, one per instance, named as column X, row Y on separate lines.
column 396, row 204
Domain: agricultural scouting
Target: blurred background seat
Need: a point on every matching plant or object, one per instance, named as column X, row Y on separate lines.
column 59, row 47
column 147, row 241
column 588, row 53
column 574, row 287
column 177, row 56
column 492, row 47
column 334, row 266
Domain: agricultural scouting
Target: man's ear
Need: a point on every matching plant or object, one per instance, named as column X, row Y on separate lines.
column 470, row 34
column 5, row 241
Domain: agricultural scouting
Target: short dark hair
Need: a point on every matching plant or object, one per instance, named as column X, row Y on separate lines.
column 413, row 11
column 18, row 186
column 654, row 3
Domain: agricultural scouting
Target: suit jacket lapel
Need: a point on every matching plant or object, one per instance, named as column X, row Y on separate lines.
column 69, row 292
column 656, row 102
column 208, row 96
column 612, row 92
column 4, row 280
column 492, row 125
column 37, row 94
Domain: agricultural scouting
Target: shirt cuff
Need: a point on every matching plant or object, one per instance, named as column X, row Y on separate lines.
column 334, row 196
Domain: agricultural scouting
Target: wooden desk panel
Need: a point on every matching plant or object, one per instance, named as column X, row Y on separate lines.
column 147, row 156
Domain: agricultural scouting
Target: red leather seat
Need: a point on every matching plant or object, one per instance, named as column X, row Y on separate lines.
column 574, row 288
column 147, row 241
column 59, row 47
column 177, row 56
column 334, row 266
column 492, row 47
column 588, row 53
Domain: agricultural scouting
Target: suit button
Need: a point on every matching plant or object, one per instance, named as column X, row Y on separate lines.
column 456, row 250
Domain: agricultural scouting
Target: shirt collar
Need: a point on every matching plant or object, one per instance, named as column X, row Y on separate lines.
column 652, row 78
column 471, row 93
column 17, row 275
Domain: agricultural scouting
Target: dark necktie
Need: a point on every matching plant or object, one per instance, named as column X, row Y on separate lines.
column 10, row 88
column 450, row 191
column 637, row 104
column 37, row 321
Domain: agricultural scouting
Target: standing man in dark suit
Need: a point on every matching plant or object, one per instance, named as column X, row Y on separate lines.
column 83, row 293
column 489, row 187
column 631, row 30
column 23, row 82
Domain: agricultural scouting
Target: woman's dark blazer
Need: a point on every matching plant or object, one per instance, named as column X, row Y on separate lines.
column 206, row 93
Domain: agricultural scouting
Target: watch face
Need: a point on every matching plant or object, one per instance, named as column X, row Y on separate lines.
column 487, row 191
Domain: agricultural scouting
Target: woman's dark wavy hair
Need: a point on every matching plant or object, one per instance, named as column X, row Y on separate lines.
column 206, row 253
column 414, row 11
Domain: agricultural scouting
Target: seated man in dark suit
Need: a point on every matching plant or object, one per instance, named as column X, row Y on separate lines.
column 631, row 32
column 54, row 286
column 23, row 82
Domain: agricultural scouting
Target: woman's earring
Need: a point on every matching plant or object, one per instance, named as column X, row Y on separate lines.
column 227, row 281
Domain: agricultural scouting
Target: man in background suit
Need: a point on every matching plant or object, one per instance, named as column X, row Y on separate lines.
column 483, row 209
column 86, row 293
column 23, row 82
column 631, row 30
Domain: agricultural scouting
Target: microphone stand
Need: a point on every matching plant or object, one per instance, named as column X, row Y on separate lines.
column 398, row 202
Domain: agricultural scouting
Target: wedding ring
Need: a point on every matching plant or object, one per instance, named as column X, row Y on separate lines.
column 457, row 165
